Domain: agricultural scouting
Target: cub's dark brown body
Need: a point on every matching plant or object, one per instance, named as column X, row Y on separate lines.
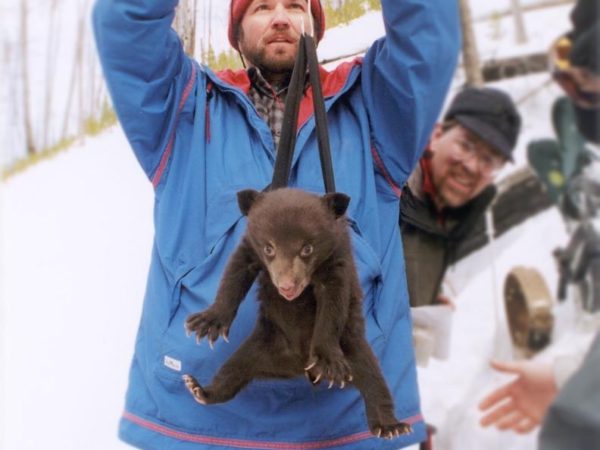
column 310, row 319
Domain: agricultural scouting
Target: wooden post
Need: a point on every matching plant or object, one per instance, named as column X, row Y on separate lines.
column 520, row 33
column 470, row 54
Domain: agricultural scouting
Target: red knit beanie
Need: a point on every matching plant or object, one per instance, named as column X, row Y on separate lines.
column 238, row 9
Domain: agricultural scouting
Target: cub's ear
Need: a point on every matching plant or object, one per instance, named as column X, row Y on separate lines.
column 336, row 202
column 246, row 199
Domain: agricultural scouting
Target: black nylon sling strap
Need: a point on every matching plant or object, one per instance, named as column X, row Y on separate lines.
column 320, row 115
column 287, row 141
column 306, row 56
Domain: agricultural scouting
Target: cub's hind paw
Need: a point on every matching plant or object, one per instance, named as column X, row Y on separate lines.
column 195, row 389
column 392, row 431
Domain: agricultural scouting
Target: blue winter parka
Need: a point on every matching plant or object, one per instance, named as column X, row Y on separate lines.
column 199, row 140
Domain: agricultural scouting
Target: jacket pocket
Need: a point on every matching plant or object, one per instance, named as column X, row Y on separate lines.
column 195, row 290
column 369, row 271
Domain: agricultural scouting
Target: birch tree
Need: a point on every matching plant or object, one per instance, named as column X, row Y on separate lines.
column 51, row 47
column 75, row 74
column 185, row 24
column 29, row 139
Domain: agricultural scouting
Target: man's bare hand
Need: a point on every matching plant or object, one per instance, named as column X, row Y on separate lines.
column 521, row 404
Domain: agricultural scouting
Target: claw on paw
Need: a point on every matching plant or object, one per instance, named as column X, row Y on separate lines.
column 392, row 431
column 311, row 365
column 195, row 389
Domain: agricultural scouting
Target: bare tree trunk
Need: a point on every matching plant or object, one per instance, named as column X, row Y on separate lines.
column 29, row 141
column 521, row 35
column 15, row 139
column 89, row 92
column 81, row 113
column 470, row 54
column 542, row 4
column 185, row 24
column 75, row 73
column 91, row 88
column 50, row 70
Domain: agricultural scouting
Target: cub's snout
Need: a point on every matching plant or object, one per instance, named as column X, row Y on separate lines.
column 289, row 274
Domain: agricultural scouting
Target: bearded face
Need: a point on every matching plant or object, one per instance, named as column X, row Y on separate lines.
column 462, row 166
column 269, row 34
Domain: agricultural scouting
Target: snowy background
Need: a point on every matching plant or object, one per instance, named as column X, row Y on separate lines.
column 75, row 241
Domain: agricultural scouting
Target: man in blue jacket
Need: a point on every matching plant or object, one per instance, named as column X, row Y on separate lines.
column 202, row 136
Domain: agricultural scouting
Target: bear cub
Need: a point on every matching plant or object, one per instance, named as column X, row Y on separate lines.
column 310, row 318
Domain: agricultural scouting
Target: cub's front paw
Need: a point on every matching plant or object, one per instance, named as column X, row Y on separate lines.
column 210, row 323
column 195, row 389
column 332, row 368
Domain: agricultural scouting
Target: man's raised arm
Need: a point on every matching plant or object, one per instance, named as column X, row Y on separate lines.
column 406, row 76
column 145, row 68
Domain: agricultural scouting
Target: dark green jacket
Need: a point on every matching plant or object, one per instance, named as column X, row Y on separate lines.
column 429, row 246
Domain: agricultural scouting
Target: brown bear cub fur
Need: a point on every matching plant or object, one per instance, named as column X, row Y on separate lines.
column 310, row 319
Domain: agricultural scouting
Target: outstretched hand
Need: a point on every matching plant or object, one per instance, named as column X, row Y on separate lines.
column 521, row 404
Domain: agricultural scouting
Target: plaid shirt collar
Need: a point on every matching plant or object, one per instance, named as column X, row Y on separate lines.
column 260, row 84
column 268, row 101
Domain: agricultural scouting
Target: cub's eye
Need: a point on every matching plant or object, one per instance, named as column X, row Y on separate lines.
column 269, row 250
column 306, row 250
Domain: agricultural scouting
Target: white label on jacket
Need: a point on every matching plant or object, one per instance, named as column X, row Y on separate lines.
column 172, row 363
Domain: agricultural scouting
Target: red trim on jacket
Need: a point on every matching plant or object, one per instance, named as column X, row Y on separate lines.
column 384, row 172
column 167, row 153
column 331, row 83
column 237, row 78
column 248, row 444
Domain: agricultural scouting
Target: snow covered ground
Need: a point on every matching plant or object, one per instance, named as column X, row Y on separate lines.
column 75, row 240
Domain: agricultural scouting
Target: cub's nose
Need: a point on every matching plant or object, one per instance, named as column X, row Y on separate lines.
column 287, row 286
column 288, row 289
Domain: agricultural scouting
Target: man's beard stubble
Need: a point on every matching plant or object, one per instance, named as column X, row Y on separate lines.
column 267, row 65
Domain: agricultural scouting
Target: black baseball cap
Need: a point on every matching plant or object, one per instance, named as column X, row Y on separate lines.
column 488, row 113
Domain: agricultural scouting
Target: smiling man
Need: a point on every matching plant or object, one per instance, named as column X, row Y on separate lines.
column 201, row 137
column 453, row 184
